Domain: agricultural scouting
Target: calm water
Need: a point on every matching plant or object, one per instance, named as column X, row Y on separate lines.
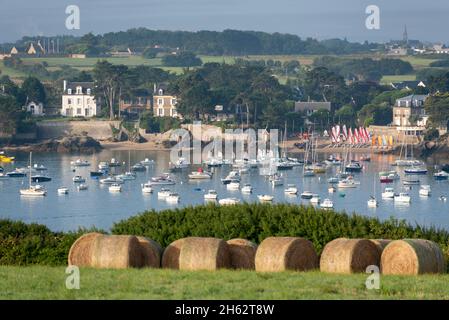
column 98, row 207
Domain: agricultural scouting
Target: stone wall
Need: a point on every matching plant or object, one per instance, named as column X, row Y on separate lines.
column 100, row 130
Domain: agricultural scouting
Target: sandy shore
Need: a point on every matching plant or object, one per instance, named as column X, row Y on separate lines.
column 126, row 145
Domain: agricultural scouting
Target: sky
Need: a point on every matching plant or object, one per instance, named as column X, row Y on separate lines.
column 321, row 19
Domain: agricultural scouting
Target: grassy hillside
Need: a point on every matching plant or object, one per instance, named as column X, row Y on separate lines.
column 49, row 283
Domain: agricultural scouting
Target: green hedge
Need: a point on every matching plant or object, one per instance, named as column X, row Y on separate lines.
column 26, row 244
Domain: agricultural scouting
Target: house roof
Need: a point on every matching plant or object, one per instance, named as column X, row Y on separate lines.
column 412, row 99
column 84, row 86
column 301, row 106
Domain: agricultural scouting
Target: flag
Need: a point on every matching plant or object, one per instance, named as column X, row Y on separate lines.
column 379, row 140
column 345, row 133
column 337, row 137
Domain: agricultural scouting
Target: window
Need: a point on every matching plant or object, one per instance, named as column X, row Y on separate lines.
column 160, row 112
column 79, row 101
column 79, row 90
column 69, row 91
column 88, row 91
column 69, row 101
column 174, row 113
column 173, row 101
column 160, row 102
column 161, row 92
column 78, row 111
column 86, row 112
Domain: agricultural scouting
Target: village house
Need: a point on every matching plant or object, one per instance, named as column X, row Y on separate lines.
column 409, row 85
column 164, row 104
column 308, row 108
column 36, row 109
column 78, row 100
column 136, row 103
column 410, row 107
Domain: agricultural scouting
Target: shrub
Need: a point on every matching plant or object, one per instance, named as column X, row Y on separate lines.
column 431, row 134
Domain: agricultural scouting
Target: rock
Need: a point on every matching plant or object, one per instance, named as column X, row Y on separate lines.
column 78, row 144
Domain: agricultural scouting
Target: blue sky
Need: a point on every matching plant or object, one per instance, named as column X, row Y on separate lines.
column 322, row 19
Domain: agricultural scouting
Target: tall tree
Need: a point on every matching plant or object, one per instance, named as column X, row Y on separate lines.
column 34, row 90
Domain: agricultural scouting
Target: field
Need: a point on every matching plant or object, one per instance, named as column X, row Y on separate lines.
column 399, row 78
column 49, row 283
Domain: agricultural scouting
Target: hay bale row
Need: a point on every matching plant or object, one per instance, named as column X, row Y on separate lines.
column 117, row 252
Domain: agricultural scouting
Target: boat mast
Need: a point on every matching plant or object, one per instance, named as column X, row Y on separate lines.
column 30, row 170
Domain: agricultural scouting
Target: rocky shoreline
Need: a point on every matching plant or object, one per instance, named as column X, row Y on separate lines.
column 70, row 144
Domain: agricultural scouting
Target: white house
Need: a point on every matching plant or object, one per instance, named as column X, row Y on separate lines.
column 36, row 109
column 78, row 100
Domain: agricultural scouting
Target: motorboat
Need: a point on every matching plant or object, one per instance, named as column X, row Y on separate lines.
column 315, row 199
column 214, row 162
column 97, row 173
column 441, row 175
column 40, row 178
column 33, row 191
column 389, row 177
column 111, row 180
column 103, row 166
column 63, row 190
column 138, row 167
column 115, row 187
column 80, row 163
column 402, row 198
column 3, row 176
column 317, row 168
column 284, row 165
column 307, row 195
column 127, row 176
column 415, row 170
column 232, row 176
column 114, row 163
column 308, row 173
column 333, row 161
column 276, row 180
column 228, row 201
column 161, row 180
column 147, row 162
column 372, row 202
column 163, row 193
column 211, row 195
column 234, row 185
column 146, row 188
column 39, row 167
column 16, row 174
column 410, row 182
column 82, row 187
column 200, row 175
column 179, row 164
column 265, row 197
column 407, row 163
column 425, row 191
column 333, row 180
column 173, row 197
column 332, row 189
column 354, row 166
column 327, row 204
column 78, row 179
column 291, row 189
column 442, row 198
column 388, row 193
column 348, row 183
column 247, row 188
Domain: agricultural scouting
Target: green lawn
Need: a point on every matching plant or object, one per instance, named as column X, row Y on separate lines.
column 49, row 283
column 399, row 78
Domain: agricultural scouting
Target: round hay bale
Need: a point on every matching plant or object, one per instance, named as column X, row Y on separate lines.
column 116, row 252
column 412, row 257
column 151, row 252
column 204, row 254
column 81, row 249
column 380, row 244
column 349, row 256
column 242, row 253
column 170, row 257
column 276, row 254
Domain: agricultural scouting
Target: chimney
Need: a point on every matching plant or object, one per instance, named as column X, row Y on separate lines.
column 154, row 88
column 65, row 85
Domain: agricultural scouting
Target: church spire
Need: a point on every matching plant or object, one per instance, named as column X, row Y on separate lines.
column 405, row 35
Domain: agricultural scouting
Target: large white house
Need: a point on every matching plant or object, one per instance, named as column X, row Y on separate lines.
column 78, row 100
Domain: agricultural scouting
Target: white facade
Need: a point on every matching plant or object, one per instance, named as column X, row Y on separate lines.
column 36, row 109
column 78, row 100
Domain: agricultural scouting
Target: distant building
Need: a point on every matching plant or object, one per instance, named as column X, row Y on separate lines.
column 164, row 104
column 136, row 103
column 406, row 107
column 31, row 50
column 36, row 109
column 409, row 85
column 310, row 107
column 397, row 51
column 126, row 53
column 78, row 100
column 77, row 56
column 440, row 49
column 14, row 51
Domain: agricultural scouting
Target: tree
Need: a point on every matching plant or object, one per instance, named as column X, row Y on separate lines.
column 379, row 114
column 181, row 59
column 437, row 108
column 346, row 115
column 320, row 118
column 34, row 90
column 10, row 114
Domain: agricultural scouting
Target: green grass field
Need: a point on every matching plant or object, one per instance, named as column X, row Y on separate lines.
column 49, row 283
column 399, row 78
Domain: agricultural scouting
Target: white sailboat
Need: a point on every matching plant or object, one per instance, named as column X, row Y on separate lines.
column 33, row 191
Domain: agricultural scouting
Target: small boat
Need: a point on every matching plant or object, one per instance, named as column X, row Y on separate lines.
column 315, row 199
column 342, row 194
column 388, row 193
column 332, row 189
column 442, row 198
column 211, row 195
column 111, row 180
column 163, row 193
column 103, row 166
column 407, row 163
column 415, row 170
column 115, row 187
column 233, row 175
column 138, row 167
column 82, row 187
column 410, row 182
column 372, row 202
column 234, row 185
column 276, row 180
column 114, row 163
column 200, row 174
column 228, row 201
column 179, row 165
column 3, row 176
column 147, row 162
column 385, row 179
column 4, row 158
column 80, row 163
column 39, row 167
column 333, row 161
column 173, row 197
column 309, row 173
column 127, row 176
column 317, row 168
column 97, row 173
column 284, row 165
column 146, row 188
column 214, row 163
column 307, row 195
column 327, row 204
column 441, row 175
column 161, row 180
column 425, row 191
column 402, row 198
column 247, row 188
column 40, row 178
column 348, row 183
column 291, row 189
column 63, row 190
column 333, row 180
column 354, row 166
column 265, row 197
column 33, row 191
column 78, row 179
column 365, row 158
column 16, row 174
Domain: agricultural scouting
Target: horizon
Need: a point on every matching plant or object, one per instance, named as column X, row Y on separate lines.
column 323, row 19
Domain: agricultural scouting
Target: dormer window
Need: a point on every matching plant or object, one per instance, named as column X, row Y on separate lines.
column 161, row 92
column 69, row 91
column 88, row 91
column 79, row 90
